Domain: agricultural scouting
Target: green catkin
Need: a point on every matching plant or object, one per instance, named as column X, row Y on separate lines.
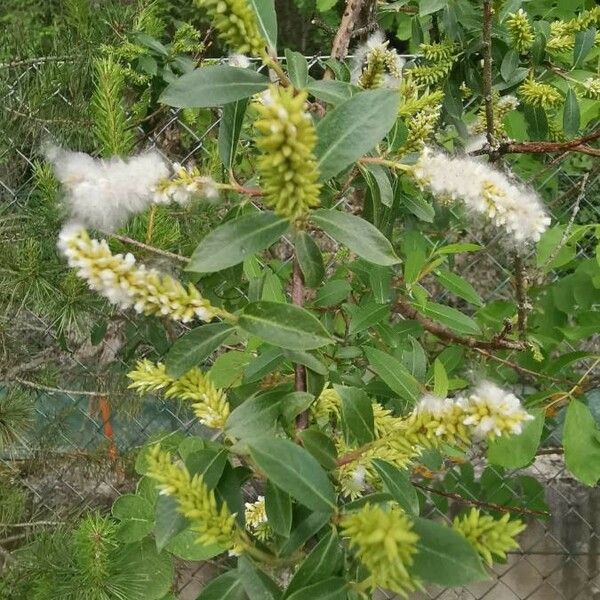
column 385, row 544
column 236, row 25
column 374, row 71
column 287, row 165
column 540, row 94
column 489, row 536
column 520, row 31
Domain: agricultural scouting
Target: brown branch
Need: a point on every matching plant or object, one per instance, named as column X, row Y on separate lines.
column 487, row 73
column 409, row 312
column 341, row 41
column 481, row 504
column 576, row 145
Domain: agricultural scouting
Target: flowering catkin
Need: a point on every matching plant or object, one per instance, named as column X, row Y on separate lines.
column 484, row 191
column 374, row 64
column 287, row 166
column 209, row 403
column 103, row 193
column 126, row 284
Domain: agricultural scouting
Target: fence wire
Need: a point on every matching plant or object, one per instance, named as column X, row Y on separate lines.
column 558, row 559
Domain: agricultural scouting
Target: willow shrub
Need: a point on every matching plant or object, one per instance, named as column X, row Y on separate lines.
column 344, row 397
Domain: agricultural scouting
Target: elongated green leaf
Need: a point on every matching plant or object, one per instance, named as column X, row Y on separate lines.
column 257, row 584
column 451, row 317
column 310, row 259
column 457, row 285
column 571, row 114
column 418, row 206
column 584, row 42
column 224, row 587
column 537, row 122
column 208, row 463
column 323, row 561
column 333, row 292
column 378, row 176
column 193, row 347
column 365, row 316
column 213, row 86
column 235, row 240
column 426, row 7
column 168, row 521
column 294, row 403
column 230, row 127
column 278, row 506
column 395, row 375
column 255, row 417
column 359, row 235
column 267, row 20
column 303, row 531
column 306, row 359
column 509, row 64
column 516, row 451
column 444, row 556
column 440, row 379
column 320, row 446
column 398, row 484
column 357, row 415
column 353, row 128
column 581, row 440
column 284, row 325
column 294, row 469
column 332, row 91
column 334, row 588
column 297, row 67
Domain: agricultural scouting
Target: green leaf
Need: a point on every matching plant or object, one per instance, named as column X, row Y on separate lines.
column 255, row 417
column 398, row 484
column 325, row 5
column 353, row 128
column 236, row 240
column 444, row 556
column 306, row 359
column 440, row 379
column 168, row 521
column 224, row 587
column 413, row 357
column 332, row 91
column 451, row 317
column 418, row 206
column 310, row 259
column 136, row 516
column 284, row 325
column 320, row 446
column 334, row 588
column 257, row 584
column 228, row 368
column 297, row 67
column 213, row 86
column 294, row 403
column 294, row 469
column 193, row 347
column 267, row 20
column 379, row 175
column 537, row 122
column 185, row 546
column 332, row 293
column 509, row 64
column 208, row 463
column 230, row 127
column 581, row 443
column 359, row 235
column 154, row 569
column 571, row 114
column 427, row 7
column 516, row 451
column 322, row 562
column 278, row 506
column 459, row 286
column 394, row 374
column 357, row 415
column 303, row 531
column 365, row 316
column 458, row 248
column 584, row 42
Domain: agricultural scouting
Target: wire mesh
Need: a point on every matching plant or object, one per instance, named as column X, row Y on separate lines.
column 558, row 559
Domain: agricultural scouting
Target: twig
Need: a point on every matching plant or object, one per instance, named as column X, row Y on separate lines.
column 487, row 74
column 33, row 524
column 523, row 305
column 299, row 369
column 481, row 504
column 567, row 232
column 341, row 41
column 576, row 145
column 128, row 240
column 46, row 388
column 409, row 312
column 37, row 61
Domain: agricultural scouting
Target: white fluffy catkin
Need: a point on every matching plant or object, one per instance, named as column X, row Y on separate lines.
column 103, row 193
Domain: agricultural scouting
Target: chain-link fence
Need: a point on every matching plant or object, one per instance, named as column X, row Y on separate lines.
column 71, row 461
